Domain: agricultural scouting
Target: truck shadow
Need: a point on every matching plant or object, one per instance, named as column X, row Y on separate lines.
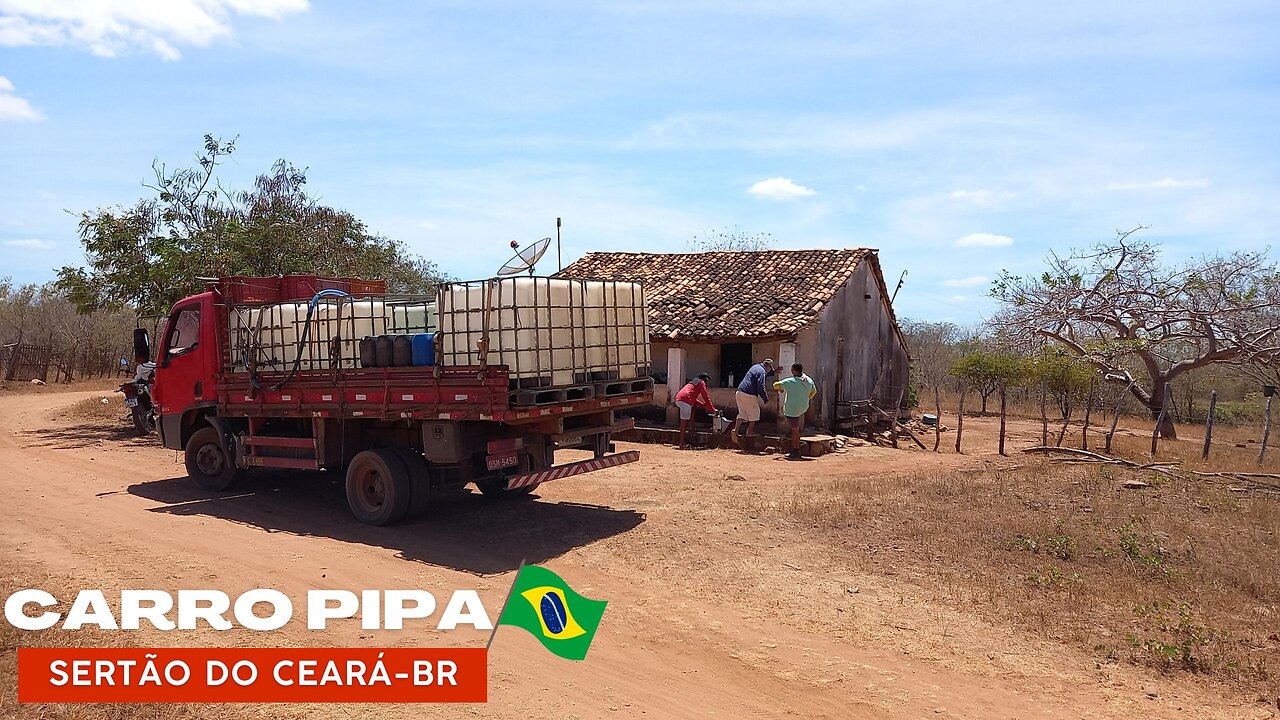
column 466, row 532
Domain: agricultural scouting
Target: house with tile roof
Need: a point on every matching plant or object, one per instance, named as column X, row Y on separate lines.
column 721, row 312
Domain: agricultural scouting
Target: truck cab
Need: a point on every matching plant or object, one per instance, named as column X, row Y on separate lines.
column 186, row 381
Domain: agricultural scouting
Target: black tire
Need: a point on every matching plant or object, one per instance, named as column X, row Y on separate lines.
column 420, row 490
column 140, row 421
column 209, row 465
column 378, row 487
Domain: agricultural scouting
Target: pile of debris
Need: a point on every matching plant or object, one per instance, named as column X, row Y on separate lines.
column 919, row 426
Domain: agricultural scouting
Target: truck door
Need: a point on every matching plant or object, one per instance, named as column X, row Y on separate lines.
column 183, row 378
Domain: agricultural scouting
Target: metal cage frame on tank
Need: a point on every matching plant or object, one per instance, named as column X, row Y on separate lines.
column 556, row 336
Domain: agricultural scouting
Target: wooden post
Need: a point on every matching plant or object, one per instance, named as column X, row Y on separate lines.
column 897, row 410
column 1164, row 410
column 1088, row 411
column 937, row 409
column 960, row 420
column 1208, row 425
column 13, row 357
column 1266, row 430
column 1002, row 417
column 48, row 359
column 1115, row 416
column 1044, row 415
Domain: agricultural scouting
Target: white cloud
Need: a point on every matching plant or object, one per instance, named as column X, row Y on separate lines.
column 1163, row 184
column 13, row 107
column 971, row 281
column 29, row 244
column 427, row 225
column 780, row 188
column 981, row 197
column 984, row 240
column 108, row 28
column 956, row 299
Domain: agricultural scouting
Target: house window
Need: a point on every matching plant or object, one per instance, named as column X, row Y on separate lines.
column 735, row 361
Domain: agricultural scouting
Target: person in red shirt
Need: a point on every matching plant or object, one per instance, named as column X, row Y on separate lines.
column 694, row 393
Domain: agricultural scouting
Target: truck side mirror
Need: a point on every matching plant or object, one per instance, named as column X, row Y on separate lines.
column 141, row 346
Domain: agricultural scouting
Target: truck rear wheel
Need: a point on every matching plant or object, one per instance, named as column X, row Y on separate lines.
column 208, row 464
column 420, row 490
column 378, row 486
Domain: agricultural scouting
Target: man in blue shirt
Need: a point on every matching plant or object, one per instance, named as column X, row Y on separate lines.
column 751, row 396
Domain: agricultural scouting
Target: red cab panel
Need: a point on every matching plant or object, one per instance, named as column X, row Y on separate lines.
column 186, row 365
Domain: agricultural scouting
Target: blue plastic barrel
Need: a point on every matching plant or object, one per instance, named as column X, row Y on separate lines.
column 424, row 349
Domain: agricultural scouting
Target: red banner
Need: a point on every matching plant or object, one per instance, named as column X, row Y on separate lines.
column 253, row 675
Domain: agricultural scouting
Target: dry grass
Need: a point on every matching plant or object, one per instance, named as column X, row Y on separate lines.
column 1179, row 576
column 94, row 408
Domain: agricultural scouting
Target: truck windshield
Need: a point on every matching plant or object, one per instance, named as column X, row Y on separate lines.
column 186, row 332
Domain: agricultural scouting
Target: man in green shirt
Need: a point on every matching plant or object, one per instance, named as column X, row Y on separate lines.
column 797, row 391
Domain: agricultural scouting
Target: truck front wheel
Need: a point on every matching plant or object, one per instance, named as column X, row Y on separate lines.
column 208, row 464
column 378, row 487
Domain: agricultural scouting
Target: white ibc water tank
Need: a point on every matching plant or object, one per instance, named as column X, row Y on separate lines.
column 547, row 331
column 410, row 317
column 346, row 321
column 595, row 330
column 241, row 324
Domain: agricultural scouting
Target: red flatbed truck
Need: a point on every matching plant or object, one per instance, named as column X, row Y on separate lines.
column 402, row 434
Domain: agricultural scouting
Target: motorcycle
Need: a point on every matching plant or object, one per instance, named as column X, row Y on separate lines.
column 137, row 398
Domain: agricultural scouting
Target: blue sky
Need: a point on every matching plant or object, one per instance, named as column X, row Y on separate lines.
column 958, row 139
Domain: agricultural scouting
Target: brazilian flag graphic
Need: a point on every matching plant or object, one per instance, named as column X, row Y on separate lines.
column 546, row 606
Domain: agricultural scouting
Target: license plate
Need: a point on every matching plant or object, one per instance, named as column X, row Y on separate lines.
column 505, row 460
column 131, row 402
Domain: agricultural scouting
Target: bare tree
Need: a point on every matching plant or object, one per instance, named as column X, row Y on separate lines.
column 730, row 239
column 1116, row 303
column 935, row 346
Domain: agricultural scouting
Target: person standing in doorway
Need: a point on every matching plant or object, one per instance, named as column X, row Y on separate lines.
column 751, row 397
column 797, row 391
column 694, row 393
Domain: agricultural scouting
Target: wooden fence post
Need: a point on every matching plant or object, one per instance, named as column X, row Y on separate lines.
column 12, row 369
column 937, row 425
column 1266, row 430
column 1164, row 411
column 897, row 412
column 1088, row 411
column 1115, row 416
column 48, row 358
column 1208, row 424
column 1044, row 415
column 960, row 420
column 1002, row 418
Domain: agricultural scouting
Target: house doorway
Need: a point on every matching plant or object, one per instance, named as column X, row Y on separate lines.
column 735, row 361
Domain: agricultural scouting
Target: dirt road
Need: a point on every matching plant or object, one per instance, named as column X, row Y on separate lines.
column 712, row 613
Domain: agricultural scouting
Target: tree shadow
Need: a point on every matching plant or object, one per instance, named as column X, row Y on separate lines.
column 88, row 434
column 466, row 532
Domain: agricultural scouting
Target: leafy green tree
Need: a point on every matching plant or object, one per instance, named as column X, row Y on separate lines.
column 986, row 371
column 1066, row 378
column 157, row 251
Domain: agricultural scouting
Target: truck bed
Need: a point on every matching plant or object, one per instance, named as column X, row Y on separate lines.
column 441, row 393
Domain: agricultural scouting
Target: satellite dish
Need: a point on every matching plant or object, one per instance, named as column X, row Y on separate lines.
column 525, row 259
